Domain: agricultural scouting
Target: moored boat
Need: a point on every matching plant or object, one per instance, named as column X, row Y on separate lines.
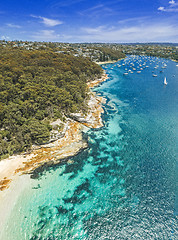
column 165, row 81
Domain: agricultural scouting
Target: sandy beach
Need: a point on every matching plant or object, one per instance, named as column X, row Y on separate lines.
column 9, row 198
column 69, row 145
column 101, row 63
column 54, row 152
column 106, row 62
column 14, row 170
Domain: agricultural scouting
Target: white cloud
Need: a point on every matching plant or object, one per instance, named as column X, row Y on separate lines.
column 97, row 11
column 51, row 22
column 93, row 30
column 139, row 33
column 172, row 2
column 48, row 22
column 45, row 35
column 5, row 38
column 161, row 9
column 172, row 8
column 133, row 20
column 149, row 31
column 65, row 3
column 13, row 25
column 168, row 9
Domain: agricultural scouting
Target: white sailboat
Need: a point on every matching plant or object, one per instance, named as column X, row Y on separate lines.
column 165, row 82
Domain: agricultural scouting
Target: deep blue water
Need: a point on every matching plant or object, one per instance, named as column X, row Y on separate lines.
column 124, row 185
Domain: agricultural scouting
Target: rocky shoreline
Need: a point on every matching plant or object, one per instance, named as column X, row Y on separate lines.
column 68, row 144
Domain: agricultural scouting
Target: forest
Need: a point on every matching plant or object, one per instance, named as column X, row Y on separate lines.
column 107, row 53
column 37, row 87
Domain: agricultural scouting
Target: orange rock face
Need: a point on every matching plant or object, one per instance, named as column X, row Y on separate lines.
column 63, row 148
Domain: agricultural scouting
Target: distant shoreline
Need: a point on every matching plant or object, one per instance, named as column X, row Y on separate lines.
column 107, row 62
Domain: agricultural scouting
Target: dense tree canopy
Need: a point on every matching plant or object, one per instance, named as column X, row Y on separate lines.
column 36, row 87
column 107, row 53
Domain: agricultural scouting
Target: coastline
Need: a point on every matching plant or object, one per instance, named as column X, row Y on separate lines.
column 55, row 152
column 15, row 170
column 107, row 62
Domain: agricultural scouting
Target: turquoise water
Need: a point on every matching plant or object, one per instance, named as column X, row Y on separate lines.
column 124, row 185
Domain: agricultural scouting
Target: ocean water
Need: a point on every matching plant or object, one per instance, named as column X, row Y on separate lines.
column 124, row 186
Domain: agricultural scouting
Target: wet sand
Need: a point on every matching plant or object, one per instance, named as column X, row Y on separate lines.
column 69, row 145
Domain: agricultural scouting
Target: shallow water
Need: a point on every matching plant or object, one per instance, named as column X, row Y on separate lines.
column 124, row 185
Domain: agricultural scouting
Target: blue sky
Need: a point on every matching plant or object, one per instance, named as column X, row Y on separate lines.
column 89, row 20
